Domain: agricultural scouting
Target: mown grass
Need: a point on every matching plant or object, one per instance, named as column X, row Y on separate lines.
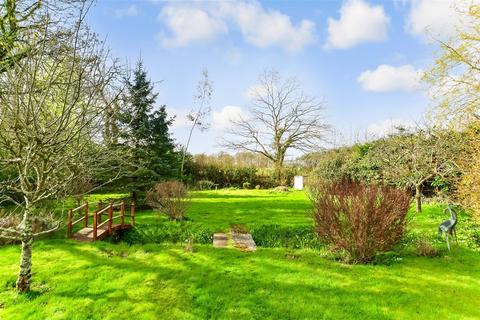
column 105, row 281
column 115, row 281
column 218, row 210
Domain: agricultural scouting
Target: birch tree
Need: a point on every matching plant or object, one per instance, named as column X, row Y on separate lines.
column 51, row 111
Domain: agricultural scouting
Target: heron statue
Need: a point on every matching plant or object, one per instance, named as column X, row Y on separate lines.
column 448, row 226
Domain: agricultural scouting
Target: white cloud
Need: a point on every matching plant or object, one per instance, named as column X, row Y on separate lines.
column 389, row 78
column 266, row 28
column 189, row 24
column 359, row 22
column 260, row 27
column 223, row 119
column 386, row 127
column 130, row 11
column 434, row 18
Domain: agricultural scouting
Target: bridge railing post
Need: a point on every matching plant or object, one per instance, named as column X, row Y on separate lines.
column 110, row 218
column 69, row 225
column 122, row 213
column 100, row 207
column 95, row 222
column 85, row 212
column 133, row 213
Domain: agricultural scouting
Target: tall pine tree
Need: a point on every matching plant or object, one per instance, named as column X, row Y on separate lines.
column 145, row 135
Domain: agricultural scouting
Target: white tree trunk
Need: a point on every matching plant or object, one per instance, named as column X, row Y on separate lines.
column 25, row 273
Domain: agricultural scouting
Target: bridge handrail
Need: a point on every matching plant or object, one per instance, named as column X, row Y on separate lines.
column 97, row 217
column 81, row 207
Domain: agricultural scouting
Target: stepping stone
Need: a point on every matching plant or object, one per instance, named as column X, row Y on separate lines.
column 243, row 241
column 220, row 240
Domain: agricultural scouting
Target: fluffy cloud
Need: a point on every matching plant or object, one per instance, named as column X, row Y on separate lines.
column 263, row 28
column 189, row 24
column 222, row 119
column 359, row 22
column 130, row 11
column 389, row 78
column 386, row 127
column 258, row 26
column 434, row 18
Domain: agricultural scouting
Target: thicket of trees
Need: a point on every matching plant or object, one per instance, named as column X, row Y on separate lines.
column 239, row 170
column 411, row 159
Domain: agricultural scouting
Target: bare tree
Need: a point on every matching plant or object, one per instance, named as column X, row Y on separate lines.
column 282, row 117
column 410, row 158
column 17, row 19
column 202, row 101
column 51, row 111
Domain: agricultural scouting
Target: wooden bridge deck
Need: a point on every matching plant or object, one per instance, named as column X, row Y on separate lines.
column 86, row 234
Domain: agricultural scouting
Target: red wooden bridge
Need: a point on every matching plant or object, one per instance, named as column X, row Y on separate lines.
column 99, row 230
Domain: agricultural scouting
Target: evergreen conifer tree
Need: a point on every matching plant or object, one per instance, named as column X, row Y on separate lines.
column 145, row 136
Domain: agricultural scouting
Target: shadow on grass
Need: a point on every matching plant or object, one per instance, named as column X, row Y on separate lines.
column 230, row 284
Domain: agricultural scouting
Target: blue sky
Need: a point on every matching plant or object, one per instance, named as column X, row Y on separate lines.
column 363, row 57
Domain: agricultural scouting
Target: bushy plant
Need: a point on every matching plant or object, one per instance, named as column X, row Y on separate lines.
column 171, row 198
column 360, row 219
column 205, row 185
column 246, row 185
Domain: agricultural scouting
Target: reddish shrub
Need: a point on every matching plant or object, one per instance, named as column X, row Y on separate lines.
column 360, row 219
column 169, row 197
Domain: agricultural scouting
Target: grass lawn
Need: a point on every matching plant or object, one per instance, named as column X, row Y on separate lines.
column 219, row 209
column 116, row 281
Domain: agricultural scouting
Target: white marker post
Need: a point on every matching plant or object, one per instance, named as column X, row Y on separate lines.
column 298, row 183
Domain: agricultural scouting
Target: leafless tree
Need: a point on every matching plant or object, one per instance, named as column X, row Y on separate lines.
column 51, row 108
column 282, row 117
column 412, row 157
column 197, row 117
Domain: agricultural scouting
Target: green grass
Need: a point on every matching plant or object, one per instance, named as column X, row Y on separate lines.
column 107, row 281
column 104, row 281
column 218, row 210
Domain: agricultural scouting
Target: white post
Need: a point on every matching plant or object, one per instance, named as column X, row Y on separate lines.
column 298, row 183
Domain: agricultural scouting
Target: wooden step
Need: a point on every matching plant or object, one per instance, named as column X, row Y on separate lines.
column 220, row 240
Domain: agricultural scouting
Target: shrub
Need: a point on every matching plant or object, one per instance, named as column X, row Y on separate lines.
column 169, row 197
column 205, row 185
column 286, row 237
column 246, row 185
column 360, row 219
